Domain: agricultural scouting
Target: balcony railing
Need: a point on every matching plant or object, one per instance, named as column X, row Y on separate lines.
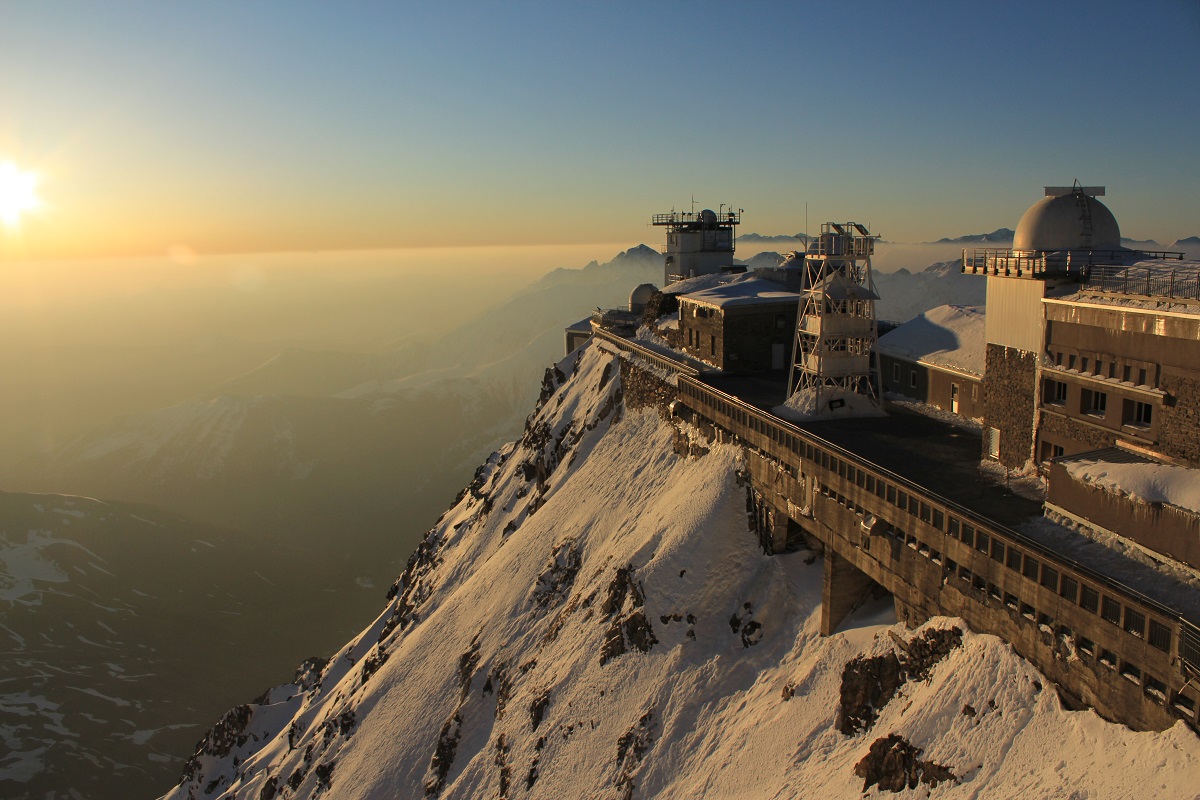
column 1050, row 263
column 1177, row 284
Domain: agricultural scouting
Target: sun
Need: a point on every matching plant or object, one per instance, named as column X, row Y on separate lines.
column 18, row 193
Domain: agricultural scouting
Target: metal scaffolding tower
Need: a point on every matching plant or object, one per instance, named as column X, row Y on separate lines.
column 835, row 327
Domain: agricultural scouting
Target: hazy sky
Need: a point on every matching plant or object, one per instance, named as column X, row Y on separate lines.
column 222, row 126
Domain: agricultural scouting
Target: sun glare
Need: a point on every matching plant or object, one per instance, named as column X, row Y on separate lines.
column 18, row 193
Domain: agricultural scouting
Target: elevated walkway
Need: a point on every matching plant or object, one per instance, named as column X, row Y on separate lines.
column 901, row 500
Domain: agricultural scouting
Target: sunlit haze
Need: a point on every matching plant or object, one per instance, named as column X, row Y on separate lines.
column 229, row 127
column 18, row 193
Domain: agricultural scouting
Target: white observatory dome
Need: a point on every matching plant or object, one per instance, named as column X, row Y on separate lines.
column 1059, row 223
column 640, row 296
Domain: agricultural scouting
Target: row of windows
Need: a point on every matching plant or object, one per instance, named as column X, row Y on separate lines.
column 1103, row 366
column 1069, row 588
column 1152, row 686
column 1094, row 403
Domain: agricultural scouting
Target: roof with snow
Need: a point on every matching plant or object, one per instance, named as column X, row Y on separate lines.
column 947, row 336
column 742, row 290
column 1142, row 479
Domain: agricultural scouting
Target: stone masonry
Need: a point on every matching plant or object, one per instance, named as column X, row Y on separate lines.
column 1009, row 392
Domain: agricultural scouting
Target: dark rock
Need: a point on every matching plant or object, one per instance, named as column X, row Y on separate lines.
column 894, row 764
column 868, row 684
column 537, row 709
column 443, row 756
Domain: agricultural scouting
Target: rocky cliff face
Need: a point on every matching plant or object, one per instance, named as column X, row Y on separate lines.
column 594, row 618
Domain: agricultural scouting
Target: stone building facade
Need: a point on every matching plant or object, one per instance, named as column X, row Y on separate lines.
column 745, row 326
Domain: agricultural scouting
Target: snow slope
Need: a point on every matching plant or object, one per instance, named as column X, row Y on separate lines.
column 593, row 618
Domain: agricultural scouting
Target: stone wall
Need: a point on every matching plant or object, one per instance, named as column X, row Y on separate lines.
column 1009, row 392
column 1073, row 435
column 751, row 333
column 641, row 388
column 1179, row 421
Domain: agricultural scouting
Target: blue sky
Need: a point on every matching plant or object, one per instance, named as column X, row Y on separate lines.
column 260, row 126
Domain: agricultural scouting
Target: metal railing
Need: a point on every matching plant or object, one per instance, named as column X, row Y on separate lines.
column 646, row 355
column 1050, row 263
column 1168, row 282
column 691, row 217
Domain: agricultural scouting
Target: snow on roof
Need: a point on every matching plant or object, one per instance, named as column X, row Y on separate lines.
column 688, row 285
column 946, row 336
column 744, row 290
column 1142, row 480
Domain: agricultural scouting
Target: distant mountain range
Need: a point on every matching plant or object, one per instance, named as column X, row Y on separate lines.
column 1000, row 235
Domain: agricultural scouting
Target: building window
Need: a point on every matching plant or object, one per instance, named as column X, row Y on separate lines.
column 895, row 373
column 1055, row 393
column 1126, row 373
column 1141, row 377
column 1093, row 403
column 1099, row 367
column 1083, row 365
column 993, row 443
column 712, row 345
column 912, row 379
column 1070, row 362
column 1137, row 414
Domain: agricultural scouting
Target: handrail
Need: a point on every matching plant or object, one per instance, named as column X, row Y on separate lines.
column 658, row 359
column 1007, row 261
column 1145, row 281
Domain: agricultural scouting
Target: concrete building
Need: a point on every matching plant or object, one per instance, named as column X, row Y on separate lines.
column 698, row 243
column 938, row 359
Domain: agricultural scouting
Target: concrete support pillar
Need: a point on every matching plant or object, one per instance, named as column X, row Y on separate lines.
column 845, row 586
column 778, row 530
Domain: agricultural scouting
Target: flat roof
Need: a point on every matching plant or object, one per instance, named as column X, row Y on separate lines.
column 745, row 290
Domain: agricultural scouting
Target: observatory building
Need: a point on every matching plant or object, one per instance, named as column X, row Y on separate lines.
column 1092, row 361
column 698, row 243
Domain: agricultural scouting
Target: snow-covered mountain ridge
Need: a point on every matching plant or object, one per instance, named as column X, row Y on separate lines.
column 593, row 618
